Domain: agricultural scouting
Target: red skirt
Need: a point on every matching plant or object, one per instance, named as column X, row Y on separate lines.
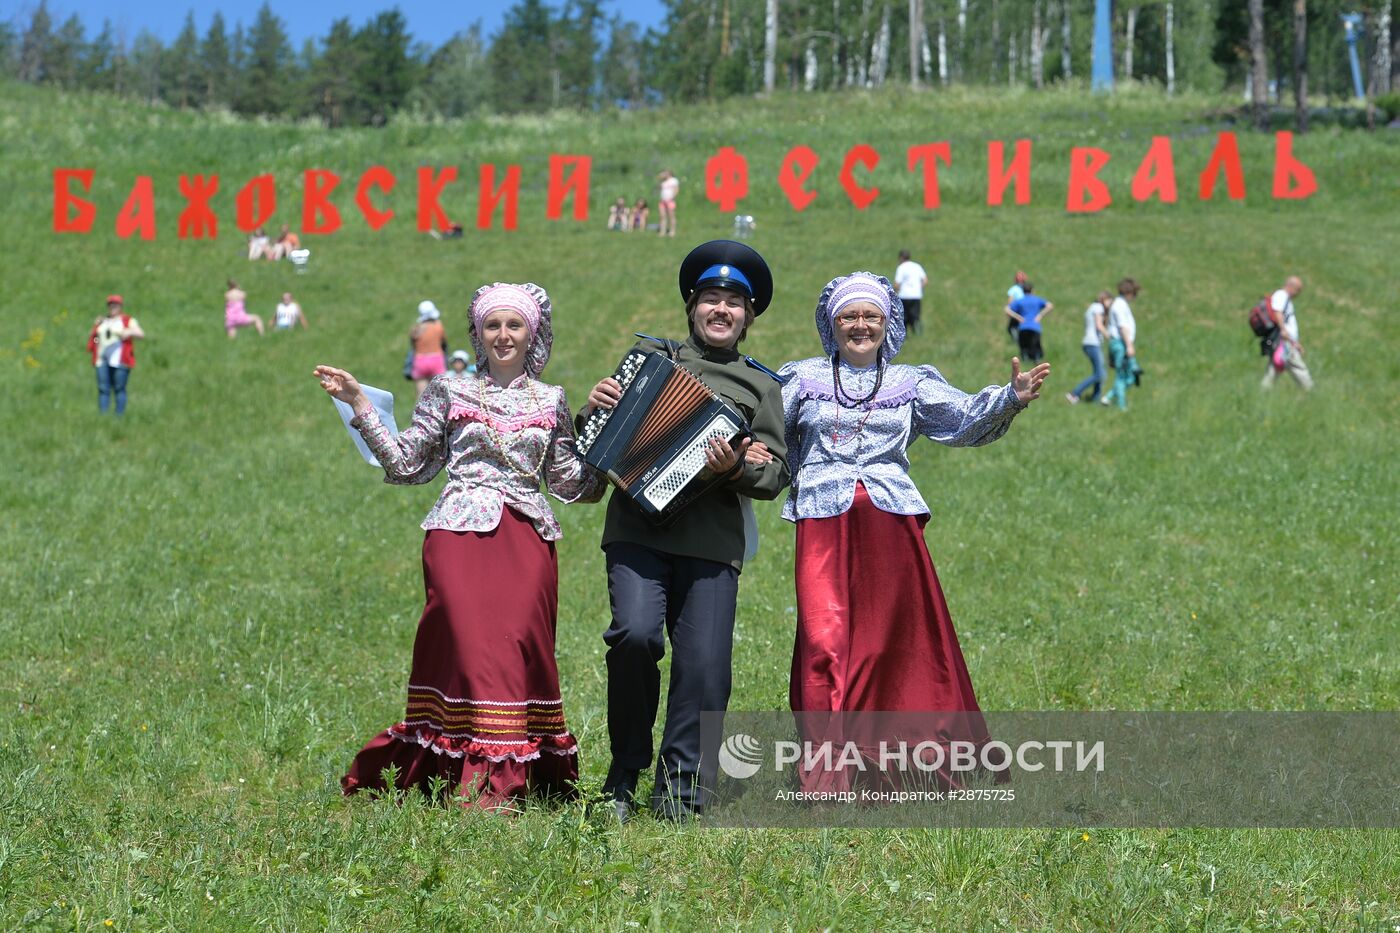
column 874, row 634
column 484, row 712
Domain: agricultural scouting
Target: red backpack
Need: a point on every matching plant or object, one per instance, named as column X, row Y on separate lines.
column 1261, row 318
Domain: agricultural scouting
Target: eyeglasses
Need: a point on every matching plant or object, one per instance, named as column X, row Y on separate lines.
column 851, row 318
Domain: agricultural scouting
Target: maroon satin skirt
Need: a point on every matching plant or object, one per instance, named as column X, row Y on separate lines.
column 484, row 714
column 874, row 635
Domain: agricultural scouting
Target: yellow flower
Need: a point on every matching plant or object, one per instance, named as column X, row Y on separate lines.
column 1085, row 837
column 107, row 922
column 1193, row 615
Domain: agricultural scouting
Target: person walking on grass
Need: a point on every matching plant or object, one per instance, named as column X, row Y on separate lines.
column 236, row 314
column 1122, row 344
column 113, row 350
column 1095, row 334
column 1027, row 313
column 1288, row 352
column 484, row 719
column 429, row 342
column 910, row 280
column 682, row 581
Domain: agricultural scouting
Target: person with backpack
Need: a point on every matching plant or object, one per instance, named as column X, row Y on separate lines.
column 1281, row 343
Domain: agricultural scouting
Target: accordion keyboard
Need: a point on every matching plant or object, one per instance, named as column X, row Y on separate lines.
column 593, row 425
column 681, row 470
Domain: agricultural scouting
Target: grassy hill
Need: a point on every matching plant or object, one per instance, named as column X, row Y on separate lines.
column 208, row 606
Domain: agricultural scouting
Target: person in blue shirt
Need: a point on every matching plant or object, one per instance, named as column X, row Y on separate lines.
column 1027, row 313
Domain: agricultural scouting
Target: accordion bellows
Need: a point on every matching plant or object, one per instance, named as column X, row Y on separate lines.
column 652, row 445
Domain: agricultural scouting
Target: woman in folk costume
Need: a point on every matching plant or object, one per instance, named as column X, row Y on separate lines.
column 484, row 710
column 873, row 631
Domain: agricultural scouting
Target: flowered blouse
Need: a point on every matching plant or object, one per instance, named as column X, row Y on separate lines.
column 831, row 446
column 498, row 443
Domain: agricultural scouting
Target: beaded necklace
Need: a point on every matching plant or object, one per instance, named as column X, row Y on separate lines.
column 846, row 400
column 495, row 437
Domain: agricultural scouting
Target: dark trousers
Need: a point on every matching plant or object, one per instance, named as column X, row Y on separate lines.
column 913, row 307
column 111, row 380
column 1030, row 346
column 655, row 595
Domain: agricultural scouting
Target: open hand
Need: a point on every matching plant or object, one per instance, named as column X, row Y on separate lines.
column 340, row 385
column 1027, row 384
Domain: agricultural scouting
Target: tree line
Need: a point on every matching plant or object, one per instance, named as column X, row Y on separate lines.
column 576, row 56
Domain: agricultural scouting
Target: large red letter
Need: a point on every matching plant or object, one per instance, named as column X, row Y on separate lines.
column 64, row 199
column 1086, row 192
column 197, row 215
column 561, row 186
column 1157, row 173
column 1292, row 179
column 865, row 155
column 316, row 201
column 791, row 180
column 999, row 176
column 139, row 211
column 430, row 212
column 255, row 203
column 1226, row 155
column 726, row 178
column 377, row 176
column 929, row 156
column 491, row 196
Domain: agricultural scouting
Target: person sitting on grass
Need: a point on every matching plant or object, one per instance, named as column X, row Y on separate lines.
column 235, row 314
column 289, row 314
column 618, row 215
column 639, row 215
column 287, row 241
column 258, row 244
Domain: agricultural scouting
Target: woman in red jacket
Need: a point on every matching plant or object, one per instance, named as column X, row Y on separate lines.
column 111, row 344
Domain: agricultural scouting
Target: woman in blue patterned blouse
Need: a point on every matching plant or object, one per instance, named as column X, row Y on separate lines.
column 873, row 631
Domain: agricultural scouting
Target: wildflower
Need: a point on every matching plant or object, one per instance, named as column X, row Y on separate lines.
column 1084, row 837
column 1193, row 616
column 107, row 922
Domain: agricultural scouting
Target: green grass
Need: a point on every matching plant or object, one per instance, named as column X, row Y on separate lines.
column 207, row 607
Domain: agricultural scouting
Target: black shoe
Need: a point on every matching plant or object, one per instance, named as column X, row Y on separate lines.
column 621, row 786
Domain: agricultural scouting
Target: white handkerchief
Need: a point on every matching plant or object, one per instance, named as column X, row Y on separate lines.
column 383, row 403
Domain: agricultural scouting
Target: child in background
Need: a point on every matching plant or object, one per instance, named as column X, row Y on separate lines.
column 462, row 365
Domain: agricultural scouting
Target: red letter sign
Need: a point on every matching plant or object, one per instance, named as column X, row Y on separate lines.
column 1292, row 179
column 491, row 196
column 561, row 186
column 319, row 184
column 255, row 203
column 999, row 176
column 1157, row 174
column 726, row 178
column 1086, row 192
column 430, row 212
column 197, row 216
column 377, row 176
column 865, row 155
column 139, row 211
column 797, row 167
column 1226, row 155
column 63, row 199
column 929, row 156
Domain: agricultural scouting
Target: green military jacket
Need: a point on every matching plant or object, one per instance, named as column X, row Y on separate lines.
column 712, row 527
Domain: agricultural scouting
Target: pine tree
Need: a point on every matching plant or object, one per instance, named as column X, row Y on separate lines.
column 454, row 84
column 387, row 72
column 215, row 64
column 520, row 65
column 267, row 67
column 335, row 76
column 66, row 52
column 36, row 44
column 182, row 67
column 96, row 71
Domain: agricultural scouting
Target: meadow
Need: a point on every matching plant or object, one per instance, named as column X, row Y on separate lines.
column 207, row 606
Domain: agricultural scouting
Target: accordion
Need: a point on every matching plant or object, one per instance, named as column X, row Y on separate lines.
column 652, row 444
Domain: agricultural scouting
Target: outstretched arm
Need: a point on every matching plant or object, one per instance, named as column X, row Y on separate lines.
column 419, row 452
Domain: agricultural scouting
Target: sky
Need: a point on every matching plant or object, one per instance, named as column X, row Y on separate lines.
column 431, row 22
